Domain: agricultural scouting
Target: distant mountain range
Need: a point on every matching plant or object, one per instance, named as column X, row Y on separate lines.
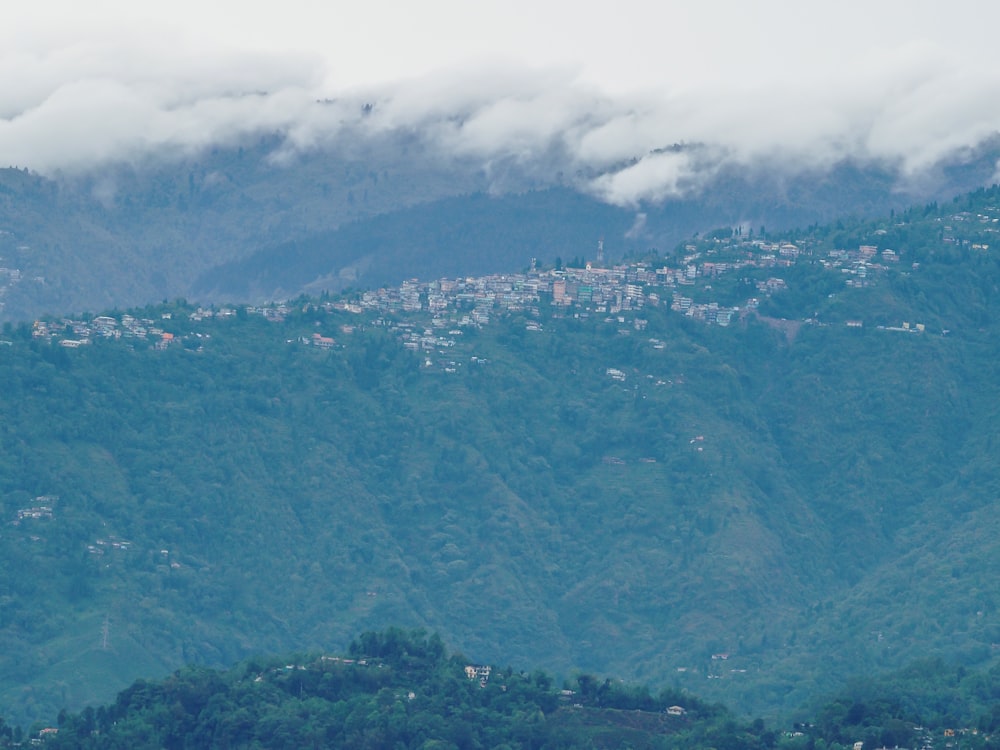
column 252, row 223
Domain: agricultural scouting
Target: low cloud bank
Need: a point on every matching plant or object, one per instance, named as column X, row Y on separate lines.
column 71, row 109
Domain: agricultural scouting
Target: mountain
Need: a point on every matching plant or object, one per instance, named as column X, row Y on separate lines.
column 262, row 220
column 480, row 233
column 751, row 470
column 131, row 234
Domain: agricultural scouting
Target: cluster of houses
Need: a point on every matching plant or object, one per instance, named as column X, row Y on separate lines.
column 71, row 333
column 623, row 287
column 36, row 511
column 858, row 265
column 984, row 224
column 100, row 545
column 480, row 673
column 474, row 300
column 41, row 507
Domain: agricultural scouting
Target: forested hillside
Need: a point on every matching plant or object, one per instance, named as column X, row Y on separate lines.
column 397, row 689
column 129, row 234
column 754, row 511
column 402, row 689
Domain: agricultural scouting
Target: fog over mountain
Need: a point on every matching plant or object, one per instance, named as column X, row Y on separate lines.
column 902, row 86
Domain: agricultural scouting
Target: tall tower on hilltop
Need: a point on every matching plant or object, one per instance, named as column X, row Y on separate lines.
column 600, row 252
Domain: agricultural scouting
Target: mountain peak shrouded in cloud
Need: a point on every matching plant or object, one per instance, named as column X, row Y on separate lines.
column 766, row 88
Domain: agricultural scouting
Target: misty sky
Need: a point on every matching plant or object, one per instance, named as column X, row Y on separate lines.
column 602, row 86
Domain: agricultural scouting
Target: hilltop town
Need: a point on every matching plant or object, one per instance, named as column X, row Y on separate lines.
column 620, row 292
column 720, row 279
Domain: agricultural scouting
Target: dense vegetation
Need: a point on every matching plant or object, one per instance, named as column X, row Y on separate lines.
column 396, row 690
column 401, row 689
column 752, row 515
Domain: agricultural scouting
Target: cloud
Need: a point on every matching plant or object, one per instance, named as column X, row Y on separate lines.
column 70, row 107
column 75, row 107
column 651, row 179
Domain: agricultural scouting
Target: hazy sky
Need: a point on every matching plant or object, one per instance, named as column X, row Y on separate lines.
column 601, row 83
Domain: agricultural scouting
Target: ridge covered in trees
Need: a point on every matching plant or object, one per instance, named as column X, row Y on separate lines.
column 395, row 689
column 403, row 690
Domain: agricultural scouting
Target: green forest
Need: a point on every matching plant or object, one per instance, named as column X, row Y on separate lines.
column 755, row 514
column 403, row 689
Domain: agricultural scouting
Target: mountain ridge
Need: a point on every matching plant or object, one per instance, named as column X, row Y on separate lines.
column 133, row 234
